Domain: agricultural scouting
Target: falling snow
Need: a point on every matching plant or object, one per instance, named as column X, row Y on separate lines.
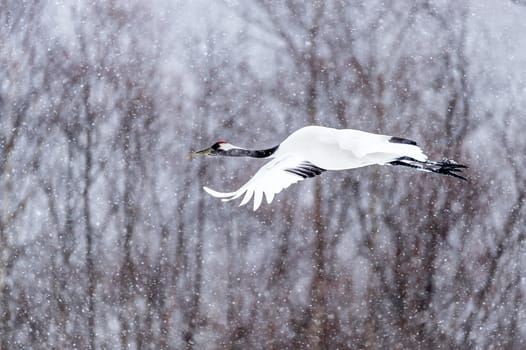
column 107, row 239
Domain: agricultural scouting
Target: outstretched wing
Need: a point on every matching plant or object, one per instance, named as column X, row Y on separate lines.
column 380, row 148
column 271, row 179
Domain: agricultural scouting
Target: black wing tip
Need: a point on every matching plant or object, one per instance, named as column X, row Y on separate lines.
column 395, row 139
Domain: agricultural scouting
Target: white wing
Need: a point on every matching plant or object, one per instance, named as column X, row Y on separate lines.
column 271, row 179
column 334, row 149
column 363, row 144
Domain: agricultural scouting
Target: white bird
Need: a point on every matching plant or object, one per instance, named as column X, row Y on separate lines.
column 311, row 150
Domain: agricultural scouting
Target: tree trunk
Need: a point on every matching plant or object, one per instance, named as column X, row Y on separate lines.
column 316, row 328
column 89, row 232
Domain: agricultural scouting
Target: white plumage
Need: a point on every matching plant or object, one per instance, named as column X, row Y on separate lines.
column 269, row 180
column 313, row 149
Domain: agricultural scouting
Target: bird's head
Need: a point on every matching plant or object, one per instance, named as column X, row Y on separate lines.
column 217, row 149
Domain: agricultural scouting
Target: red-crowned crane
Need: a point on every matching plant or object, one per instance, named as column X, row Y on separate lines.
column 312, row 150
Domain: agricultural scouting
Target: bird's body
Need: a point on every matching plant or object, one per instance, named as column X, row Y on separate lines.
column 340, row 149
column 311, row 150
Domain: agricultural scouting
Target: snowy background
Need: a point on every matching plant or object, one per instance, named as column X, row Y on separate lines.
column 108, row 241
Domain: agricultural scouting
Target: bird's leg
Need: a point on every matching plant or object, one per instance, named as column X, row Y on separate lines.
column 445, row 167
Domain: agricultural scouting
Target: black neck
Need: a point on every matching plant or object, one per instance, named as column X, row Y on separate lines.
column 240, row 152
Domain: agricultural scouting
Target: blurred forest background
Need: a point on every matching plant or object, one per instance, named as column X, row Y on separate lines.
column 108, row 241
